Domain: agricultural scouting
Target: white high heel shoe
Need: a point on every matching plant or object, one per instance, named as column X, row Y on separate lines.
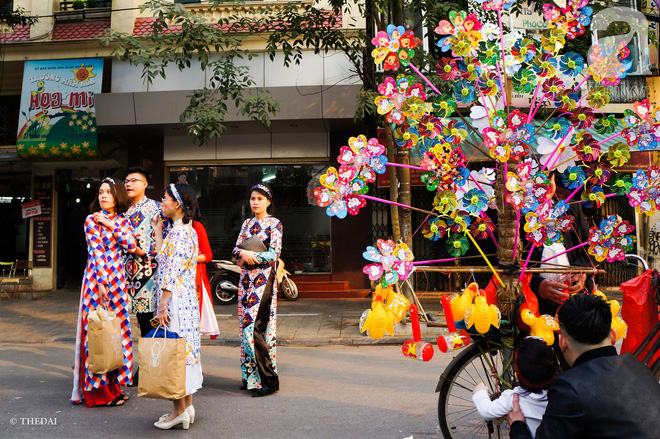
column 191, row 412
column 183, row 419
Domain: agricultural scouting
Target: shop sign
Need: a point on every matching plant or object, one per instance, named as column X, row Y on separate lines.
column 30, row 209
column 528, row 18
column 57, row 119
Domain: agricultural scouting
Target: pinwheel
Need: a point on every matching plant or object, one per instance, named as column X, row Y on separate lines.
column 573, row 177
column 609, row 241
column 463, row 92
column 488, row 83
column 413, row 109
column 460, row 26
column 470, row 68
column 598, row 97
column 618, row 154
column 454, row 132
column 557, row 127
column 459, row 221
column 524, row 81
column 571, row 64
column 544, row 65
column 586, row 147
column 594, row 197
column 475, row 201
column 391, row 263
column 444, row 106
column 524, row 50
column 406, row 136
column 434, row 229
column 566, row 101
column 510, row 142
column 552, row 86
column 622, row 184
column 489, row 53
column 393, row 47
column 430, row 127
column 572, row 18
column 642, row 129
column 362, row 152
column 334, row 190
column 606, row 125
column 445, row 202
column 447, row 69
column 608, row 61
column 599, row 174
column 482, row 228
column 457, row 244
column 554, row 155
column 546, row 224
column 552, row 40
column 582, row 118
column 644, row 195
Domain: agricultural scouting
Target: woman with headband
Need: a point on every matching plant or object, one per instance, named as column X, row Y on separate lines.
column 257, row 298
column 108, row 234
column 177, row 262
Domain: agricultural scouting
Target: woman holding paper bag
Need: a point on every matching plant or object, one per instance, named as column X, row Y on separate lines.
column 108, row 234
column 258, row 249
column 177, row 261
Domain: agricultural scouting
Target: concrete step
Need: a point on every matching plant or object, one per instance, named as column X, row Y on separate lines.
column 322, row 286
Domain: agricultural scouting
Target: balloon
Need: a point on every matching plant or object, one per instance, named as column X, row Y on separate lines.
column 416, row 348
column 543, row 327
column 378, row 321
column 459, row 304
column 453, row 341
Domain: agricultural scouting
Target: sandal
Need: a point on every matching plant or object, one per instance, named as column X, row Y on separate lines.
column 124, row 397
column 116, row 402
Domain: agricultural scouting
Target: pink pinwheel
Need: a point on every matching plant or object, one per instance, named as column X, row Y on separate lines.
column 360, row 153
column 395, row 96
column 547, row 224
column 642, row 126
column 335, row 188
column 644, row 194
column 393, row 47
column 447, row 69
column 572, row 18
column 462, row 32
column 609, row 241
column 391, row 263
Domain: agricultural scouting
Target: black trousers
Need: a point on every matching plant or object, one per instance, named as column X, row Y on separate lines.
column 269, row 379
column 144, row 322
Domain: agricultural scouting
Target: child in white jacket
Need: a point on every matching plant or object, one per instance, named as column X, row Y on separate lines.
column 536, row 366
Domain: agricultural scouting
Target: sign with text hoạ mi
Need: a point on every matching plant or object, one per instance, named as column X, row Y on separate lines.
column 58, row 118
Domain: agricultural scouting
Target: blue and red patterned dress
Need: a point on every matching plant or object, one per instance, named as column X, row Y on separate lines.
column 257, row 320
column 105, row 266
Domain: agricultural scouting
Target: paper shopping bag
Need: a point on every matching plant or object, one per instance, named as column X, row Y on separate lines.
column 104, row 349
column 162, row 365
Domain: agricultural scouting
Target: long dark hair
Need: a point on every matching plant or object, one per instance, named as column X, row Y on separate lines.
column 122, row 202
column 266, row 191
column 188, row 197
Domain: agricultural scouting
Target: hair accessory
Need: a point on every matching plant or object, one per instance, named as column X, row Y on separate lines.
column 177, row 196
column 263, row 188
column 108, row 180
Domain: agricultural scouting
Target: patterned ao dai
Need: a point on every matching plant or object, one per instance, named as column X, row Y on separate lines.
column 177, row 262
column 141, row 270
column 104, row 266
column 258, row 361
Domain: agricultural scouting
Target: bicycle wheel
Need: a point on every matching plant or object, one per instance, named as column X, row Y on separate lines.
column 289, row 289
column 480, row 362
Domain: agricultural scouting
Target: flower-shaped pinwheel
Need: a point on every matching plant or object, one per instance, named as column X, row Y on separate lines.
column 454, row 132
column 622, row 184
column 524, row 81
column 593, row 198
column 463, row 92
column 393, row 47
column 557, row 127
column 447, row 69
column 444, row 106
column 457, row 244
column 606, row 125
column 462, row 30
column 573, row 177
column 469, row 68
column 459, row 221
column 566, row 101
column 524, row 50
column 391, row 263
column 598, row 97
column 552, row 86
column 600, row 174
column 586, row 148
column 511, row 141
column 582, row 118
column 334, row 190
column 618, row 154
column 445, row 202
column 609, row 241
column 434, row 229
column 608, row 61
column 488, row 83
column 546, row 224
column 644, row 195
column 360, row 153
column 475, row 201
column 444, row 162
column 482, row 228
column 572, row 18
column 552, row 40
column 642, row 127
column 571, row 64
column 544, row 65
column 430, row 127
column 406, row 136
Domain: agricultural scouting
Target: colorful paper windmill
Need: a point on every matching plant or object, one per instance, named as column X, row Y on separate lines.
column 609, row 241
column 396, row 96
column 336, row 192
column 392, row 263
column 545, row 225
column 394, row 47
column 642, row 126
column 644, row 194
column 572, row 19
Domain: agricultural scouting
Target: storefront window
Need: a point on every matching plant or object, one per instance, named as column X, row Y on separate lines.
column 223, row 197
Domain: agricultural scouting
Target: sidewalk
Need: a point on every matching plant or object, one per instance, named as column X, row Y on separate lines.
column 53, row 317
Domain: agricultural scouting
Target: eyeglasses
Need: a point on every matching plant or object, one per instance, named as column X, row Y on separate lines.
column 131, row 180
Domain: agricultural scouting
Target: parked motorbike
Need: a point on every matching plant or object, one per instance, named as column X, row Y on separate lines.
column 225, row 275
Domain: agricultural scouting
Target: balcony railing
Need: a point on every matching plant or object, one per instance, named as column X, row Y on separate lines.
column 630, row 90
column 68, row 5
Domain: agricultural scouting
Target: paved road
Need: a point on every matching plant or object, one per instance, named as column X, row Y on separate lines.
column 326, row 391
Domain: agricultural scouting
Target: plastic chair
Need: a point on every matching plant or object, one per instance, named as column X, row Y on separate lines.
column 6, row 271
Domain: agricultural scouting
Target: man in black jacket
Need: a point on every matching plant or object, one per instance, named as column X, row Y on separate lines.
column 603, row 395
